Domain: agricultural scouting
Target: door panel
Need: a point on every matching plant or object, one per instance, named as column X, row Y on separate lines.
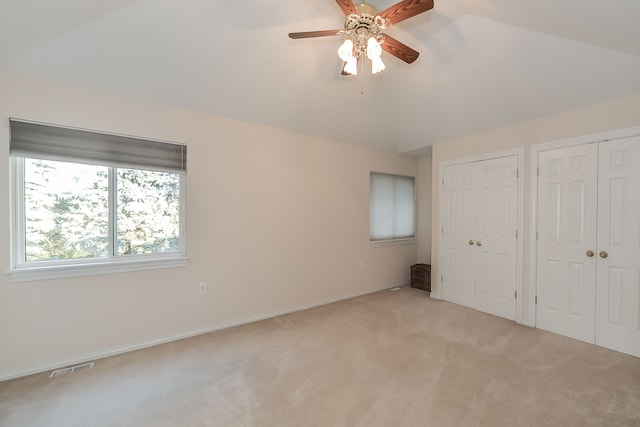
column 497, row 218
column 479, row 235
column 551, row 300
column 567, row 203
column 576, row 290
column 618, row 278
column 458, row 228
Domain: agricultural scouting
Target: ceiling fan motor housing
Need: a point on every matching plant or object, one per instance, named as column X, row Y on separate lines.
column 360, row 27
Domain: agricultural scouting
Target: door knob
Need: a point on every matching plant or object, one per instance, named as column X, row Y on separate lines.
column 479, row 243
column 603, row 254
column 590, row 253
column 471, row 242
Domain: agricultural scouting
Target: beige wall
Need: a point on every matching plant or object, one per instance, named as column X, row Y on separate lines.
column 276, row 221
column 423, row 208
column 602, row 117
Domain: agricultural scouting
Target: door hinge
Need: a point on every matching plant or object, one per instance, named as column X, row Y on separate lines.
column 536, row 299
column 516, row 295
column 441, row 279
column 537, row 171
column 517, row 173
column 442, row 230
column 443, row 181
column 516, row 234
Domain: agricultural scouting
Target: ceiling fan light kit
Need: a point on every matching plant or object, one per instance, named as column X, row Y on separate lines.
column 361, row 33
column 363, row 36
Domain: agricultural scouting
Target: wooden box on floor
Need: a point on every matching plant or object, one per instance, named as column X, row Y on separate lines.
column 421, row 276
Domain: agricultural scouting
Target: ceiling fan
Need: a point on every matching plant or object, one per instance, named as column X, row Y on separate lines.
column 363, row 36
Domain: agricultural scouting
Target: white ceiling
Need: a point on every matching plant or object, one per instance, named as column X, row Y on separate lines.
column 483, row 64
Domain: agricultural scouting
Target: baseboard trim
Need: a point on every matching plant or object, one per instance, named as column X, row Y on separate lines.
column 152, row 343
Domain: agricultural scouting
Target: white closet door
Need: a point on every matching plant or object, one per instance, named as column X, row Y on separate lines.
column 496, row 213
column 480, row 210
column 566, row 274
column 458, row 272
column 618, row 278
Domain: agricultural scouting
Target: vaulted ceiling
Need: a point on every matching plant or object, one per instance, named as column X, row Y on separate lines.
column 482, row 64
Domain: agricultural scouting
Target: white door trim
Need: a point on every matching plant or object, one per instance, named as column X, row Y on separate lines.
column 533, row 241
column 519, row 152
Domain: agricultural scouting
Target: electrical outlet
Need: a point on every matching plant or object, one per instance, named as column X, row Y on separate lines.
column 203, row 287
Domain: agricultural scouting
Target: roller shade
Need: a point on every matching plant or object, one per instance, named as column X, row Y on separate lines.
column 391, row 207
column 50, row 142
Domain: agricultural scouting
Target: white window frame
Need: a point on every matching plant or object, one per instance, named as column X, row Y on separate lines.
column 395, row 240
column 22, row 271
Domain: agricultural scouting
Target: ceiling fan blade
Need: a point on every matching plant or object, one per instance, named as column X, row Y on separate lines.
column 405, row 10
column 398, row 49
column 308, row 34
column 347, row 6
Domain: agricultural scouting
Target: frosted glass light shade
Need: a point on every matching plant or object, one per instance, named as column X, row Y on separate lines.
column 345, row 51
column 373, row 53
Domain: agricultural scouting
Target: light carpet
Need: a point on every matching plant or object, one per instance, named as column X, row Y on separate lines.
column 384, row 359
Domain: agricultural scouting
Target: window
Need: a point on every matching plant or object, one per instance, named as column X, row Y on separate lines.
column 87, row 202
column 391, row 207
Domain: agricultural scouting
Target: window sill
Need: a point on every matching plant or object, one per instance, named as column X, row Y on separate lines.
column 49, row 272
column 392, row 242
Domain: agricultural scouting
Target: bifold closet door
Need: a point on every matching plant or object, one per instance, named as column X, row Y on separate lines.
column 588, row 254
column 479, row 239
column 496, row 213
column 458, row 234
column 566, row 270
column 618, row 257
